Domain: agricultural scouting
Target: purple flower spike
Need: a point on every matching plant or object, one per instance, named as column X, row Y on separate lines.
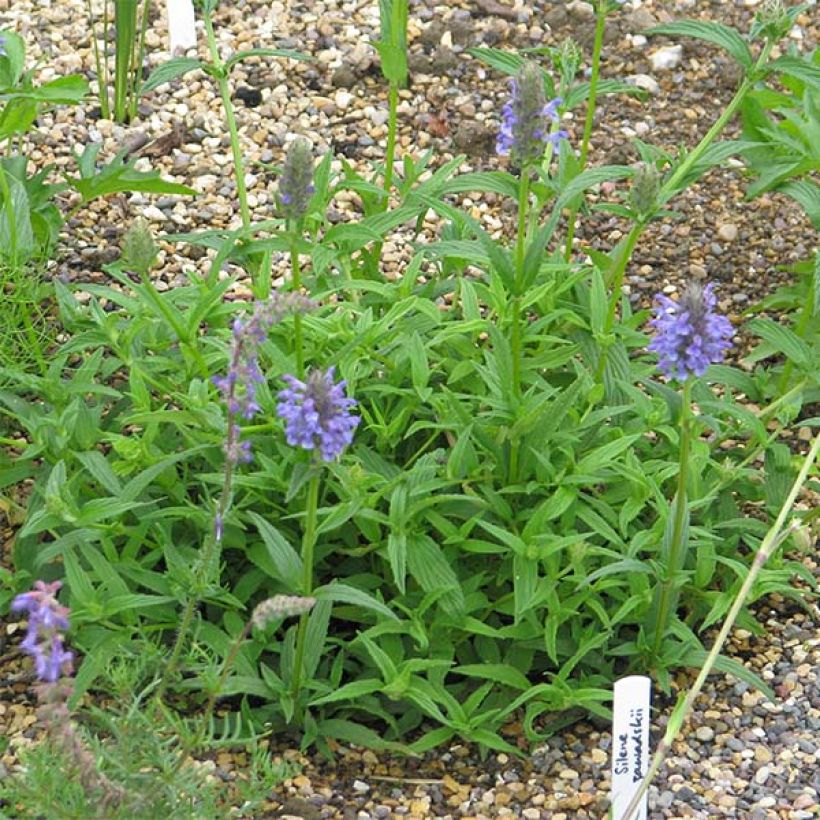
column 317, row 413
column 690, row 335
column 47, row 620
column 238, row 387
column 526, row 117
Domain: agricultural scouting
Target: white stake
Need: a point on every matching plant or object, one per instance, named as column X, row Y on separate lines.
column 630, row 742
column 181, row 25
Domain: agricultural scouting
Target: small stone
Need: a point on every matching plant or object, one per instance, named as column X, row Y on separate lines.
column 762, row 775
column 568, row 774
column 360, row 786
column 343, row 99
column 531, row 814
column 154, row 214
column 705, row 733
column 645, row 82
column 599, row 756
column 343, row 77
column 727, row 232
column 666, row 58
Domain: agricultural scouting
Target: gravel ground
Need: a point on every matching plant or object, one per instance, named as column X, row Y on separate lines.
column 742, row 756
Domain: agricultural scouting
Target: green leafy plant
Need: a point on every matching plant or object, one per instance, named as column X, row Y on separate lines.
column 522, row 498
column 120, row 90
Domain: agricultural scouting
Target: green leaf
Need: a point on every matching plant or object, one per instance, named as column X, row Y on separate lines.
column 604, row 455
column 118, row 176
column 427, row 564
column 278, row 559
column 350, row 691
column 176, row 67
column 501, row 60
column 346, row 594
column 696, row 658
column 350, row 732
column 710, row 32
column 497, row 182
column 397, row 557
column 265, row 52
column 498, row 672
column 783, row 340
column 806, row 193
column 99, row 468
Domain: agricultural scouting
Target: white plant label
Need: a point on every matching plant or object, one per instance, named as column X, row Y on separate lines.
column 630, row 742
column 181, row 25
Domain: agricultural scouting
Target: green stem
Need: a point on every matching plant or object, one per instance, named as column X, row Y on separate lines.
column 390, row 153
column 176, row 325
column 617, row 282
column 212, row 547
column 230, row 119
column 670, row 186
column 125, row 33
column 140, row 56
column 516, row 343
column 308, row 543
column 770, row 542
column 98, row 61
column 674, row 558
column 592, row 103
column 520, row 247
column 296, row 276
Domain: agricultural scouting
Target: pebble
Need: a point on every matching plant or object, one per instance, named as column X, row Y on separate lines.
column 666, row 58
column 727, row 232
column 645, row 82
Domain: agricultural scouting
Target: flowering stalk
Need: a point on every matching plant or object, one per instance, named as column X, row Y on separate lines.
column 271, row 609
column 525, row 129
column 517, row 319
column 47, row 621
column 690, row 336
column 774, row 537
column 239, row 391
column 317, row 418
column 295, row 189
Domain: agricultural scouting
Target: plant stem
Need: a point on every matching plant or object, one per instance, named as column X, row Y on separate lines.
column 172, row 319
column 520, row 247
column 223, row 674
column 137, row 66
column 675, row 556
column 770, row 542
column 390, row 153
column 516, row 340
column 99, row 61
column 296, row 276
column 617, row 281
column 592, row 102
column 669, row 187
column 230, row 119
column 213, row 546
column 308, row 543
column 125, row 35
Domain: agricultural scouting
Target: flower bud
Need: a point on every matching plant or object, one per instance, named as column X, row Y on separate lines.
column 296, row 182
column 645, row 187
column 139, row 251
column 279, row 607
